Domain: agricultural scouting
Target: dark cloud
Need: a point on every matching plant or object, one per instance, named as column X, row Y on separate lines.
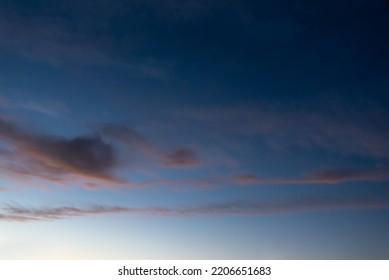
column 182, row 157
column 332, row 176
column 89, row 160
column 89, row 155
column 54, row 157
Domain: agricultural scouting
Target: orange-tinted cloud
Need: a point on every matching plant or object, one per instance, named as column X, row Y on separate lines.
column 87, row 160
column 332, row 176
column 182, row 157
column 54, row 158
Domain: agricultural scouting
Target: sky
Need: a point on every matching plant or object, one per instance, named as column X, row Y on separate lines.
column 194, row 129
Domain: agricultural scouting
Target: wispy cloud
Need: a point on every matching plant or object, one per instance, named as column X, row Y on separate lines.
column 307, row 203
column 49, row 108
column 172, row 184
column 22, row 214
column 128, row 136
column 182, row 157
column 180, row 183
column 54, row 109
column 331, row 176
column 60, row 42
column 347, row 132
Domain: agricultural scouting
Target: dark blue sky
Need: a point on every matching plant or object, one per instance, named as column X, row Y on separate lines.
column 252, row 122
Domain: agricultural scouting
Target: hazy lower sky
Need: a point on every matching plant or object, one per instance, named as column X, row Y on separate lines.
column 194, row 129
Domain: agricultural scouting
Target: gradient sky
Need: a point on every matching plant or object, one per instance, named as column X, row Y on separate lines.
column 194, row 129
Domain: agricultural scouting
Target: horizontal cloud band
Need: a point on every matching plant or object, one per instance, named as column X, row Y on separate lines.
column 338, row 201
column 331, row 176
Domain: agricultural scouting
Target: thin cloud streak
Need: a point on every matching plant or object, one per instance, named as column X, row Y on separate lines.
column 177, row 184
column 351, row 132
column 53, row 109
column 331, row 176
column 128, row 136
column 55, row 42
column 324, row 202
column 22, row 214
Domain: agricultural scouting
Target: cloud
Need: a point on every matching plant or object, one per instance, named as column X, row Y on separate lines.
column 89, row 160
column 22, row 214
column 182, row 157
column 247, row 179
column 88, row 155
column 53, row 109
column 261, row 208
column 52, row 157
column 324, row 201
column 42, row 39
column 80, row 35
column 335, row 176
column 179, row 183
column 176, row 184
column 331, row 176
column 351, row 131
column 131, row 138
